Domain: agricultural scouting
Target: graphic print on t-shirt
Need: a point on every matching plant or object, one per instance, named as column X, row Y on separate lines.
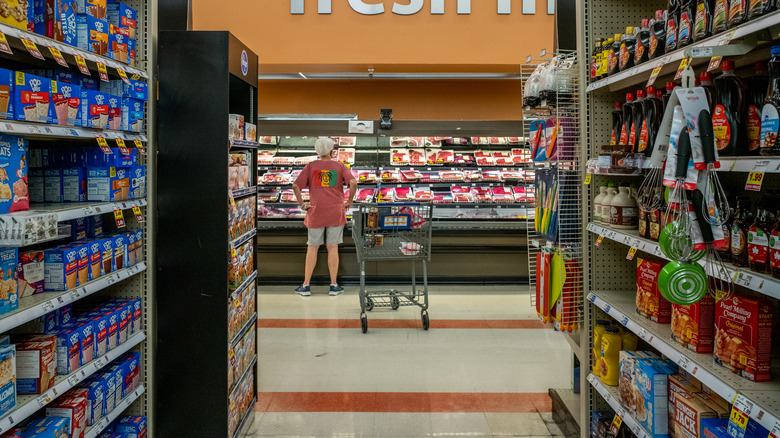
column 327, row 178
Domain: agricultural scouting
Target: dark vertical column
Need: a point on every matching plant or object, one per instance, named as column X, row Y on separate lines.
column 566, row 24
column 174, row 14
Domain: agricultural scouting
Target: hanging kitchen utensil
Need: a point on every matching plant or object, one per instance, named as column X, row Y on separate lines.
column 678, row 204
column 682, row 283
column 715, row 206
column 719, row 280
column 675, row 248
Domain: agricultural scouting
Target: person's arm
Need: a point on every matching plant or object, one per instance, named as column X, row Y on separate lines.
column 352, row 191
column 299, row 197
column 302, row 180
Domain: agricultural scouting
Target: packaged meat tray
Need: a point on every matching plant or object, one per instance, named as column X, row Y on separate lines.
column 511, row 175
column 451, row 175
column 283, row 161
column 472, row 175
column 445, row 157
column 423, row 195
column 276, row 177
column 347, row 141
column 519, row 194
column 482, row 194
column 513, row 140
column 386, row 194
column 294, row 175
column 461, row 194
column 502, row 159
column 415, row 142
column 389, row 176
column 417, row 157
column 457, row 140
column 265, row 158
column 442, row 197
column 410, row 175
column 483, row 154
column 302, row 161
column 399, row 157
column 399, row 142
column 365, row 195
column 431, row 155
column 366, row 176
column 268, row 195
column 403, row 194
column 480, row 140
column 288, row 196
column 464, row 159
column 503, row 195
column 432, row 141
column 347, row 155
column 491, row 175
column 430, row 177
column 486, row 161
column 267, row 140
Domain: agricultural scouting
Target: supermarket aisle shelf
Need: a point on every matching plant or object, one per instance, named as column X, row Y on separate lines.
column 246, row 144
column 55, row 132
column 251, row 324
column 40, row 304
column 749, row 396
column 95, row 430
column 244, row 375
column 248, row 420
column 70, row 211
column 610, row 395
column 244, row 238
column 27, row 405
column 244, row 192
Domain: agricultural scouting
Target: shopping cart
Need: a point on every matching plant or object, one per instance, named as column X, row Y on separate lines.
column 393, row 232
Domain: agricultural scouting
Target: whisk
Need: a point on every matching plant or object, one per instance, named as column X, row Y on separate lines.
column 719, row 281
column 678, row 205
column 715, row 206
column 650, row 196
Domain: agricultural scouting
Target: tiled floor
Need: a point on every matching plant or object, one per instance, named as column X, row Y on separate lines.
column 483, row 369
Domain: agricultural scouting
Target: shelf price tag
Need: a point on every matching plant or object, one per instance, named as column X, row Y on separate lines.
column 654, row 75
column 715, row 60
column 32, row 48
column 82, row 65
column 737, row 419
column 754, row 181
column 135, row 76
column 587, row 179
column 591, row 378
column 102, row 72
column 55, row 52
column 138, row 215
column 101, row 141
column 140, row 146
column 631, row 253
column 123, row 75
column 683, row 64
column 119, row 218
column 122, row 148
column 4, row 46
column 599, row 240
column 615, row 427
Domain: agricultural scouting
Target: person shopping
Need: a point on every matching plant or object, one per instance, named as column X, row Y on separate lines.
column 326, row 214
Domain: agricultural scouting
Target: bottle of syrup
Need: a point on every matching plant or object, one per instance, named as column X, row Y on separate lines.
column 774, row 245
column 594, row 59
column 702, row 27
column 758, row 237
column 617, row 124
column 670, row 86
column 687, row 22
column 709, row 88
column 627, row 49
column 652, row 107
column 757, row 86
column 656, row 217
column 770, row 116
column 614, row 55
column 743, row 219
column 757, row 8
column 727, row 116
column 720, row 16
column 725, row 250
column 658, row 34
column 672, row 25
column 628, row 118
column 638, row 117
column 642, row 48
column 738, row 10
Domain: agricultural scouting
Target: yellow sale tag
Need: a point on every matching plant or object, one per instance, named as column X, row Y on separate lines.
column 4, row 46
column 123, row 75
column 102, row 72
column 120, row 142
column 82, row 64
column 139, row 144
column 55, row 52
column 599, row 240
column 631, row 253
column 754, row 181
column 683, row 64
column 587, row 179
column 104, row 145
column 32, row 48
column 739, row 418
column 137, row 212
column 119, row 218
column 654, row 76
column 237, row 302
column 714, row 63
column 135, row 76
column 617, row 421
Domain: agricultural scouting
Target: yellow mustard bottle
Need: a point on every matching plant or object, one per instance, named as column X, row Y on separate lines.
column 610, row 356
column 628, row 340
column 598, row 332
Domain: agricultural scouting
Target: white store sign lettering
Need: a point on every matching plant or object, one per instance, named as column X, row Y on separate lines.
column 411, row 7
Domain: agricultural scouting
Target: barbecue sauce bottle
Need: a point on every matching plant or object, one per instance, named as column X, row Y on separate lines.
column 757, row 86
column 743, row 219
column 737, row 12
column 628, row 118
column 687, row 22
column 720, row 16
column 657, row 35
column 758, row 238
column 727, row 116
column 642, row 48
column 672, row 24
column 702, row 27
column 617, row 123
column 627, row 48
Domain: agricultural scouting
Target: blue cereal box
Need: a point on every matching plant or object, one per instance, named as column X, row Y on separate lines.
column 52, row 182
column 66, row 76
column 89, row 83
column 60, row 268
column 74, row 185
column 131, row 52
column 123, row 17
column 112, row 336
column 95, row 259
column 114, row 112
column 6, row 94
column 92, row 34
column 95, row 226
column 132, row 115
column 32, row 95
column 139, row 245
column 38, row 17
column 651, row 379
column 93, row 8
column 86, row 329
column 36, row 189
column 134, row 90
column 94, row 109
column 109, row 391
column 64, row 315
column 68, row 350
column 107, row 254
column 9, row 298
column 66, row 104
column 131, row 372
column 101, row 333
column 108, row 184
column 120, row 251
column 78, row 228
column 68, row 19
column 7, row 378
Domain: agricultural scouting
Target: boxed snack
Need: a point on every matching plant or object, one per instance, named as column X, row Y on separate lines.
column 64, row 315
column 692, row 326
column 74, row 408
column 52, row 181
column 89, row 83
column 94, row 109
column 114, row 112
column 649, row 302
column 35, row 180
column 95, row 259
column 118, row 49
column 743, row 336
column 119, row 244
column 134, row 426
column 68, row 349
column 108, row 183
column 83, row 261
column 30, row 273
column 65, row 108
column 107, row 255
column 92, row 8
column 92, row 34
column 109, row 391
column 677, row 384
column 131, row 249
column 95, row 400
column 123, row 17
column 651, row 380
column 689, row 411
column 125, row 315
column 6, row 94
column 7, row 378
column 54, row 19
column 43, row 324
column 95, row 226
column 137, row 305
column 9, row 258
column 60, row 268
column 15, row 13
column 628, row 392
column 74, row 184
column 131, row 52
column 13, row 174
column 86, row 331
column 132, row 115
column 235, row 126
column 36, row 367
column 250, row 132
column 131, row 364
column 99, row 330
column 47, row 427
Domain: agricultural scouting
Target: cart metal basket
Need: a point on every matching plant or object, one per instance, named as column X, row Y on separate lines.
column 393, row 232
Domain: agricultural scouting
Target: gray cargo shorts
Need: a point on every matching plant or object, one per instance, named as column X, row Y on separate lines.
column 317, row 236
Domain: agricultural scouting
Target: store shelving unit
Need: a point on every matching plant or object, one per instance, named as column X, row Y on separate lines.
column 55, row 132
column 197, row 350
column 612, row 282
column 95, row 430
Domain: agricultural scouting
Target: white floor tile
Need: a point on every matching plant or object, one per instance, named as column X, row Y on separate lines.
column 388, row 425
column 331, row 424
column 513, row 424
column 462, row 424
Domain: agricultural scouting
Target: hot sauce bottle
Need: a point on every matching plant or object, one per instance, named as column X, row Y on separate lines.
column 702, row 27
column 758, row 238
column 743, row 219
column 756, row 95
column 658, row 34
column 720, row 16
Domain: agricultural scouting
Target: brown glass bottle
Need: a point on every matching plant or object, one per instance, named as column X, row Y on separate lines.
column 758, row 237
column 743, row 219
column 725, row 250
column 642, row 48
column 774, row 245
column 658, row 34
column 656, row 218
column 703, row 22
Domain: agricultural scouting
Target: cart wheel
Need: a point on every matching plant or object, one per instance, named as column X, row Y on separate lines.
column 369, row 304
column 395, row 303
column 425, row 321
column 364, row 323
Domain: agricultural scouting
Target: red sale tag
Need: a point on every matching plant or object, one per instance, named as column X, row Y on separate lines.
column 684, row 63
column 654, row 75
column 55, row 52
column 599, row 240
column 102, row 72
column 631, row 254
column 135, row 76
column 122, row 148
column 123, row 75
column 615, row 427
column 104, row 145
column 82, row 64
column 119, row 218
column 32, row 48
column 140, row 146
column 4, row 46
column 138, row 216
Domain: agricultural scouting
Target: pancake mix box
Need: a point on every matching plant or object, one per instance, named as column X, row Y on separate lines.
column 649, row 301
column 32, row 95
column 692, row 326
column 743, row 336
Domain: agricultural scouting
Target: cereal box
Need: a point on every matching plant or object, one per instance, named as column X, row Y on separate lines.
column 86, row 330
column 51, row 427
column 131, row 52
column 14, row 194
column 66, row 104
column 30, row 273
column 652, row 397
column 7, row 378
column 138, row 182
column 78, row 229
column 94, row 109
column 92, row 34
column 64, row 315
column 114, row 112
column 123, row 17
column 649, row 301
column 100, row 333
column 14, row 13
column 95, row 400
column 35, row 367
column 628, row 392
column 92, row 8
column 132, row 115
column 89, row 83
column 112, row 335
column 108, row 184
column 131, row 248
column 107, row 253
column 95, row 259
column 95, row 226
column 109, row 391
column 60, row 268
column 134, row 90
column 74, row 409
column 32, row 95
column 68, row 350
column 131, row 373
column 6, row 94
column 120, row 251
column 743, row 336
column 74, row 185
column 66, row 76
column 692, row 326
column 689, row 411
column 250, row 131
column 36, row 186
column 52, row 182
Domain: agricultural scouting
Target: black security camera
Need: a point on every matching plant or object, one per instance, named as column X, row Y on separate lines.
column 386, row 119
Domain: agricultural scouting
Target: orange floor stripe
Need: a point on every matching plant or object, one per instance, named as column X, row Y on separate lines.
column 402, row 402
column 404, row 323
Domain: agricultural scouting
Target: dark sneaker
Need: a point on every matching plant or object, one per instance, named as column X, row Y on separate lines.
column 304, row 291
column 335, row 290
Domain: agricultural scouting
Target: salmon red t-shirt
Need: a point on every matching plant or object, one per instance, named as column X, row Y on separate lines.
column 325, row 181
